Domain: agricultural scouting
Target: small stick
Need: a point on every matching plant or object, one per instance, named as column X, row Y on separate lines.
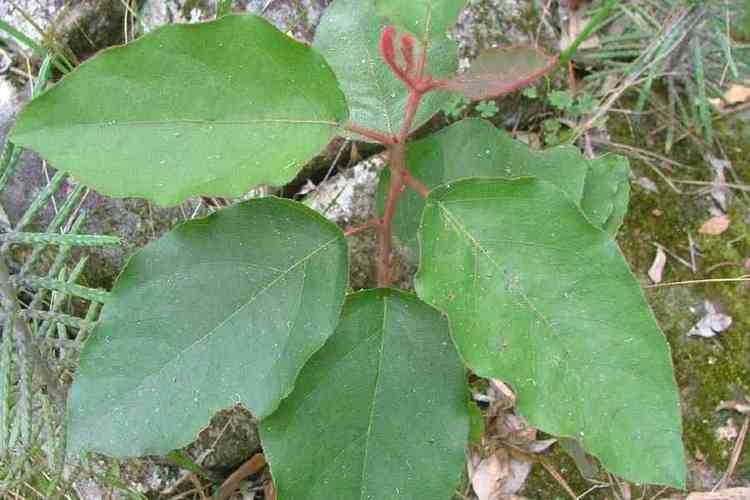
column 370, row 224
column 735, row 455
column 252, row 466
column 697, row 282
column 553, row 472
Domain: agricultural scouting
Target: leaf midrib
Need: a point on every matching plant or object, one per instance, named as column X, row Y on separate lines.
column 368, row 434
column 473, row 241
column 260, row 292
column 193, row 121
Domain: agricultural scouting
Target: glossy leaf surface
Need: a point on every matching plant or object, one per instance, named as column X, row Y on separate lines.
column 379, row 412
column 349, row 36
column 498, row 71
column 475, row 148
column 540, row 298
column 189, row 110
column 220, row 311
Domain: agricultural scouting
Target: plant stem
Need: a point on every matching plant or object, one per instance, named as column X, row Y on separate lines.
column 25, row 339
column 400, row 178
column 374, row 135
column 370, row 224
column 396, row 154
column 415, row 184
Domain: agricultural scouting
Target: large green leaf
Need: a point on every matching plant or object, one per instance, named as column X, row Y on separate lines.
column 380, row 412
column 220, row 311
column 349, row 35
column 539, row 297
column 475, row 148
column 189, row 110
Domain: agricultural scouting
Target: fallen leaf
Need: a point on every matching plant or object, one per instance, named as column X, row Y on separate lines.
column 498, row 475
column 501, row 392
column 712, row 323
column 656, row 270
column 715, row 225
column 728, row 494
column 720, row 192
column 648, row 184
column 737, row 405
column 737, row 93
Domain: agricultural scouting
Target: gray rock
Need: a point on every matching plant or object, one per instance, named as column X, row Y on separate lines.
column 490, row 23
column 298, row 17
column 42, row 12
column 227, row 442
column 348, row 199
column 83, row 26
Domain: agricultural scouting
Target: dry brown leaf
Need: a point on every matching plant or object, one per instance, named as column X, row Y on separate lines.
column 737, row 405
column 656, row 270
column 737, row 94
column 728, row 494
column 498, row 475
column 715, row 225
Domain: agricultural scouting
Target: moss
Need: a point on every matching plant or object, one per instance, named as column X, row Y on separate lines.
column 708, row 371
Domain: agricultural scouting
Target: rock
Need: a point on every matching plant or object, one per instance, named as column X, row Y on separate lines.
column 297, row 17
column 103, row 477
column 229, row 440
column 348, row 199
column 83, row 26
column 42, row 12
column 489, row 23
column 88, row 26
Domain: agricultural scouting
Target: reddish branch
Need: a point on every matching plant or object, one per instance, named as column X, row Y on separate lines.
column 411, row 71
column 370, row 224
column 373, row 135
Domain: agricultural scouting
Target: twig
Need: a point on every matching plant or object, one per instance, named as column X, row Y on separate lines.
column 252, row 466
column 698, row 282
column 370, row 224
column 738, row 187
column 735, row 457
column 553, row 472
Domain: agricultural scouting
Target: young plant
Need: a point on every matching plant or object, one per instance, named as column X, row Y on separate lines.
column 359, row 396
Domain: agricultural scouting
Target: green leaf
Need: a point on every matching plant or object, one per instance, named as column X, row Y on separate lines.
column 189, row 110
column 560, row 99
column 431, row 18
column 220, row 311
column 349, row 36
column 380, row 412
column 475, row 148
column 498, row 71
column 606, row 192
column 540, row 298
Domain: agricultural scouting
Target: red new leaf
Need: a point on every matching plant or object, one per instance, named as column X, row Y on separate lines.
column 499, row 71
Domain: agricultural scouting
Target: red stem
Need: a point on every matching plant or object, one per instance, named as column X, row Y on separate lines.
column 415, row 184
column 400, row 178
column 370, row 224
column 374, row 135
column 419, row 85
